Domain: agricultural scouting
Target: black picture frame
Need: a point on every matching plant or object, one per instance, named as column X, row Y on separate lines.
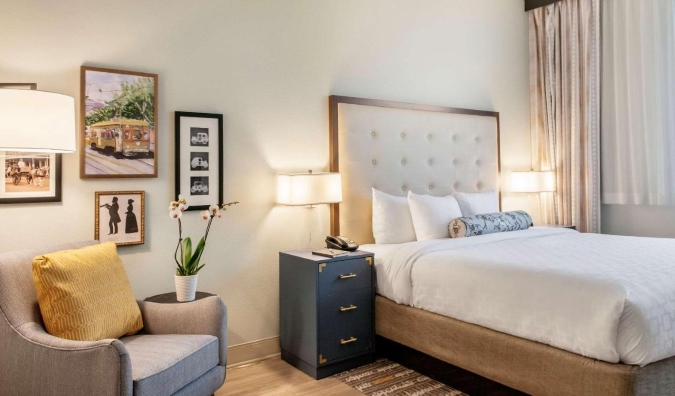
column 199, row 182
column 39, row 194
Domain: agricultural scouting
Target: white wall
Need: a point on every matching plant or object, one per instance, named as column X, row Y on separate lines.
column 639, row 220
column 269, row 67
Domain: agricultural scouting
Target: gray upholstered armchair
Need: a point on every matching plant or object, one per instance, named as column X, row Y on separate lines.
column 180, row 351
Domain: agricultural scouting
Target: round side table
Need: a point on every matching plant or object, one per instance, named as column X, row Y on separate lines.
column 170, row 298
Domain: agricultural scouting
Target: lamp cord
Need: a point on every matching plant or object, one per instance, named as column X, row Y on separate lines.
column 311, row 223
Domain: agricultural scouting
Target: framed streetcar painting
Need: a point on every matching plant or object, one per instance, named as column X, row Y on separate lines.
column 30, row 177
column 199, row 158
column 118, row 117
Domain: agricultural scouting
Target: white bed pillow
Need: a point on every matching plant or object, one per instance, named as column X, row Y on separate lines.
column 478, row 203
column 391, row 219
column 431, row 215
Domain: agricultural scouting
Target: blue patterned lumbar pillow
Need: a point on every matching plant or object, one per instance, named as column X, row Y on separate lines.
column 489, row 223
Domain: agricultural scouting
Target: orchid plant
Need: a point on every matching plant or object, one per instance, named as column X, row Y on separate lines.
column 187, row 263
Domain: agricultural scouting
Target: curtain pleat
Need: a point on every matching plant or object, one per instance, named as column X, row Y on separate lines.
column 564, row 103
column 638, row 108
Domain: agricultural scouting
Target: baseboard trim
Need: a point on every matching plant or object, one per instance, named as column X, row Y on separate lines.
column 254, row 351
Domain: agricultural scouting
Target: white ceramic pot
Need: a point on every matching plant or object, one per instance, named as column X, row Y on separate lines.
column 186, row 286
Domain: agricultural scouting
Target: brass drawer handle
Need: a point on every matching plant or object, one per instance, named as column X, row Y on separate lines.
column 351, row 275
column 349, row 341
column 349, row 308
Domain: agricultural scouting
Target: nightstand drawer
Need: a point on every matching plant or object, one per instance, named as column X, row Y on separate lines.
column 348, row 339
column 351, row 306
column 340, row 276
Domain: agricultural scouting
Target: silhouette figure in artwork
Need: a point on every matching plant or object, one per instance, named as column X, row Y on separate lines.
column 131, row 225
column 113, row 211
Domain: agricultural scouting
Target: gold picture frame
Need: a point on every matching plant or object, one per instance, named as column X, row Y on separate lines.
column 131, row 231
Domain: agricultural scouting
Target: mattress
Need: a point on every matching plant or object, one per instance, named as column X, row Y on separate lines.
column 606, row 297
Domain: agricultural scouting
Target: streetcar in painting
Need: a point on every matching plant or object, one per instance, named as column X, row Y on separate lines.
column 128, row 138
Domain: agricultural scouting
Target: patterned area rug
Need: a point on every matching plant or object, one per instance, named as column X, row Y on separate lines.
column 385, row 377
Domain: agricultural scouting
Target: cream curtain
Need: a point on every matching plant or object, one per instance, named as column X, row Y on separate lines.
column 638, row 102
column 564, row 105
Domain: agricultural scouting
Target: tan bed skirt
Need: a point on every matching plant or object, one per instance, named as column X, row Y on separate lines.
column 522, row 364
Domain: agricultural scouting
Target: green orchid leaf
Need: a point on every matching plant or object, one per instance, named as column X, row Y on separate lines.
column 198, row 268
column 200, row 249
column 187, row 251
column 180, row 270
column 194, row 260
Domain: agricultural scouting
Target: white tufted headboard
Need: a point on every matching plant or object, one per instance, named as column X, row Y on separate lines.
column 400, row 147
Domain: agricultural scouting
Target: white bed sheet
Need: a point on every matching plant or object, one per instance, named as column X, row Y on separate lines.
column 602, row 296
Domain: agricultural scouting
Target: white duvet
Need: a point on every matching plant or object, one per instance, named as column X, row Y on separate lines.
column 602, row 296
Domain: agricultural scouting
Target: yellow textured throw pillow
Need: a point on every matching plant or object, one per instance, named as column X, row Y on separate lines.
column 84, row 294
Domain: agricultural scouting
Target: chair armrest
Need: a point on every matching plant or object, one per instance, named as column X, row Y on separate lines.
column 206, row 316
column 35, row 362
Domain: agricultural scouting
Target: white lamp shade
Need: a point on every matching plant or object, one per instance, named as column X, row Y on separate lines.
column 309, row 189
column 36, row 121
column 532, row 181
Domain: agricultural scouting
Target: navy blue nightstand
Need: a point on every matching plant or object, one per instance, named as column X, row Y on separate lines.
column 326, row 311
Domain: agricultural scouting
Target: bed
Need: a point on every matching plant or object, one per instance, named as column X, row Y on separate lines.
column 544, row 311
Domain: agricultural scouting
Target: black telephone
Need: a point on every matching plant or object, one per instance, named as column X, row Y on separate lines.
column 342, row 243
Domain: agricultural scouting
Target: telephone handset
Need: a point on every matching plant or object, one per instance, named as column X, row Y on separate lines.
column 342, row 243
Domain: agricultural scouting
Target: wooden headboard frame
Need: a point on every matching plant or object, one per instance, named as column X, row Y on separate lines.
column 335, row 101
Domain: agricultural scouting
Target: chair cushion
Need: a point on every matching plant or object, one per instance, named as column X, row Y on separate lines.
column 84, row 294
column 163, row 364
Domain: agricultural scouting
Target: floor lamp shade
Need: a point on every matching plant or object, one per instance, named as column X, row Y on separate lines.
column 533, row 182
column 36, row 121
column 309, row 189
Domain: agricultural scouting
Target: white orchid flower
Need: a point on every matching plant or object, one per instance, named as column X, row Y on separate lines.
column 205, row 214
column 213, row 209
column 182, row 203
column 175, row 214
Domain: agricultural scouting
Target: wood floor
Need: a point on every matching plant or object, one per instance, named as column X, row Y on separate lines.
column 276, row 377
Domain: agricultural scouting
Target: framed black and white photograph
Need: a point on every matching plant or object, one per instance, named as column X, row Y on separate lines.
column 30, row 177
column 199, row 161
column 199, row 185
column 199, row 158
column 199, row 136
column 120, row 217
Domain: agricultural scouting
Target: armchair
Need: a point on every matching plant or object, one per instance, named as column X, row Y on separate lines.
column 182, row 349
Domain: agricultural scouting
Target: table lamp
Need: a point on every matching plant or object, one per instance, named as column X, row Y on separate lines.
column 533, row 182
column 36, row 121
column 309, row 189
